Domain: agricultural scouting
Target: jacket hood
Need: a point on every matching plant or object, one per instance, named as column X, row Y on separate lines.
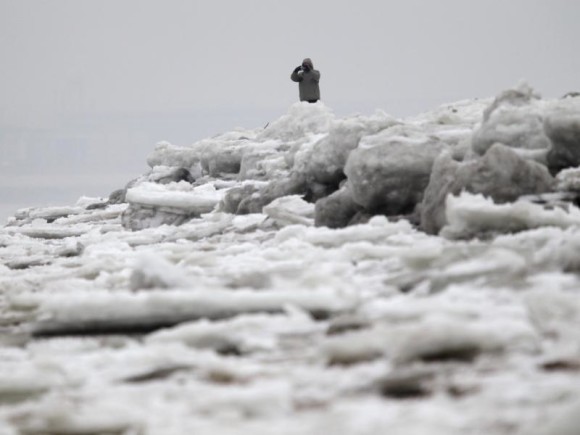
column 308, row 62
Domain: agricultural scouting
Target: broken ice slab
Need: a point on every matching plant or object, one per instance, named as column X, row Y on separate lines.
column 182, row 196
column 112, row 313
column 50, row 214
column 49, row 232
column 63, row 415
column 28, row 262
column 291, row 210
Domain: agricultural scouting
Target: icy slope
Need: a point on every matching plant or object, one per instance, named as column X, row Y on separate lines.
column 364, row 275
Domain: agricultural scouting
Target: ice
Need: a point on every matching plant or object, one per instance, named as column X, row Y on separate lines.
column 500, row 174
column 474, row 215
column 563, row 129
column 389, row 171
column 153, row 204
column 242, row 334
column 290, row 210
column 319, row 274
column 153, row 272
column 326, row 158
column 104, row 311
column 303, row 119
column 566, row 423
column 181, row 195
column 515, row 120
column 336, row 210
column 166, row 154
column 569, row 180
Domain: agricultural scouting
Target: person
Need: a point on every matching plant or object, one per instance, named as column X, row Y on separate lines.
column 307, row 78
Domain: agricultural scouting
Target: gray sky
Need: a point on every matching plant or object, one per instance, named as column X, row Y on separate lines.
column 100, row 81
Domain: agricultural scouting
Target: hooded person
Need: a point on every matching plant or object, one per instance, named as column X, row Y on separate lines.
column 307, row 78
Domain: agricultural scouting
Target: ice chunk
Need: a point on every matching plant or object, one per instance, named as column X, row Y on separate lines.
column 562, row 126
column 182, row 196
column 474, row 215
column 500, row 174
column 290, row 210
column 152, row 271
column 513, row 120
column 166, row 154
column 569, row 180
column 441, row 339
column 70, row 314
column 241, row 334
column 153, row 205
column 301, row 120
column 389, row 172
column 354, row 347
column 327, row 157
column 336, row 210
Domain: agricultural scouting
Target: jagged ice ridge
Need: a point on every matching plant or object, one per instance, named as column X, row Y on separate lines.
column 357, row 275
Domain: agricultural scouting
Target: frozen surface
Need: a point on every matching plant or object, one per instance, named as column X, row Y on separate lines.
column 280, row 281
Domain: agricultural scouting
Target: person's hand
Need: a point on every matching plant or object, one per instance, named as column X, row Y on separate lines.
column 298, row 68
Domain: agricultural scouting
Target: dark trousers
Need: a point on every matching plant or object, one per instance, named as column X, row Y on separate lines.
column 312, row 101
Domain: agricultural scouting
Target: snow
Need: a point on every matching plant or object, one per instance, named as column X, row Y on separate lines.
column 345, row 275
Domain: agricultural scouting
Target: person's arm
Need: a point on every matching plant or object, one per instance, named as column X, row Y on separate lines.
column 295, row 76
column 316, row 75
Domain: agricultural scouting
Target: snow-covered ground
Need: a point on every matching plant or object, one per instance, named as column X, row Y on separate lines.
column 359, row 275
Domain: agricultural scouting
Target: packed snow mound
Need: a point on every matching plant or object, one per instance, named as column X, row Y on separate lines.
column 319, row 274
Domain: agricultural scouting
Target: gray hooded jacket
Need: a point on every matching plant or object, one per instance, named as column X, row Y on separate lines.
column 307, row 82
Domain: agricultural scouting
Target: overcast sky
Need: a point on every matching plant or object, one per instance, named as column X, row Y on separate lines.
column 183, row 69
